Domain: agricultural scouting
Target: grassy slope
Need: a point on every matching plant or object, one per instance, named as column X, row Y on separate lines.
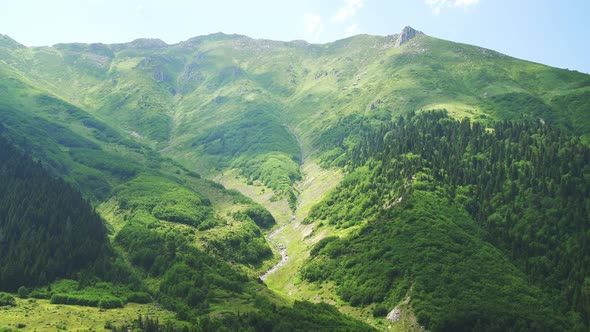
column 40, row 315
column 179, row 97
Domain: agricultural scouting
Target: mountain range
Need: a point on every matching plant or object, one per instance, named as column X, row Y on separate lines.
column 406, row 181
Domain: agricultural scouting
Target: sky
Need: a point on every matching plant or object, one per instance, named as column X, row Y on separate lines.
column 552, row 32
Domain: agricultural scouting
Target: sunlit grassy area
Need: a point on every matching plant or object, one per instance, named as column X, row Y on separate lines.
column 40, row 315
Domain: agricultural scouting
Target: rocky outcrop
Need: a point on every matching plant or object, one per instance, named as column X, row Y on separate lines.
column 399, row 39
column 161, row 75
column 395, row 315
column 406, row 34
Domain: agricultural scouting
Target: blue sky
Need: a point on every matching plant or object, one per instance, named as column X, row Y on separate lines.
column 550, row 32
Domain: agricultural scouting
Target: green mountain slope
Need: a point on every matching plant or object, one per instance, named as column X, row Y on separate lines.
column 431, row 254
column 133, row 126
column 180, row 97
column 181, row 240
column 478, row 228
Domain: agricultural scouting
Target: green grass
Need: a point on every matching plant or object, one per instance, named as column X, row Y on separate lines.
column 41, row 315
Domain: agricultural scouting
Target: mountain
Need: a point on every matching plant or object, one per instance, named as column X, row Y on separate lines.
column 342, row 168
column 195, row 100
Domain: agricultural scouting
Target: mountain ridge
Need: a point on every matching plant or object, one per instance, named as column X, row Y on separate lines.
column 406, row 34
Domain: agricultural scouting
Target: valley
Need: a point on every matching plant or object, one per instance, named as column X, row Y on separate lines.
column 231, row 183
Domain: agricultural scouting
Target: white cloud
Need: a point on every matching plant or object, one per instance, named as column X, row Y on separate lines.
column 313, row 25
column 352, row 30
column 437, row 5
column 348, row 10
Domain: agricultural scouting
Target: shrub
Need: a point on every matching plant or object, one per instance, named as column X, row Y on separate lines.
column 88, row 301
column 23, row 292
column 40, row 293
column 260, row 216
column 379, row 311
column 110, row 303
column 139, row 297
column 7, row 300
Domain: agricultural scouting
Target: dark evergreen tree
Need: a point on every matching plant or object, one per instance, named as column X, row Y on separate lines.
column 47, row 229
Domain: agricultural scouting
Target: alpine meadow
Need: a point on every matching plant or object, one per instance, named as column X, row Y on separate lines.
column 225, row 183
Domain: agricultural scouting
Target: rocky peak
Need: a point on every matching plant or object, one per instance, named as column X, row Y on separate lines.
column 406, row 34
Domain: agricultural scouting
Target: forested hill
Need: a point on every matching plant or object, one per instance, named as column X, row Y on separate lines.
column 483, row 228
column 47, row 229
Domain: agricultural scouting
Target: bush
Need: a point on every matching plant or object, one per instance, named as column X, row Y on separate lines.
column 260, row 216
column 23, row 292
column 208, row 224
column 88, row 301
column 139, row 297
column 106, row 302
column 110, row 303
column 7, row 300
column 40, row 293
column 380, row 311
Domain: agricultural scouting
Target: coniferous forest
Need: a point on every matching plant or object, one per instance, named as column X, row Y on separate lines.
column 516, row 191
column 47, row 229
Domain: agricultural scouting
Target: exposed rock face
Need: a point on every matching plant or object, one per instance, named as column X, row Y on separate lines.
column 406, row 34
column 395, row 315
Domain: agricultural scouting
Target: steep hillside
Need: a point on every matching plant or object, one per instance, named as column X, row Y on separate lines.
column 481, row 230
